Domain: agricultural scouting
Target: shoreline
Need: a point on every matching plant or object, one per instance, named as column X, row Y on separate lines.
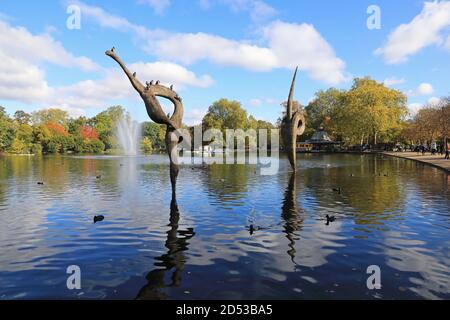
column 437, row 161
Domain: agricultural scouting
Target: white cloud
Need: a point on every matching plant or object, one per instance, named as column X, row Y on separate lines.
column 19, row 43
column 159, row 6
column 115, row 86
column 5, row 17
column 393, row 81
column 414, row 108
column 447, row 43
column 258, row 10
column 287, row 45
column 434, row 101
column 256, row 102
column 171, row 73
column 424, row 89
column 424, row 30
column 261, row 11
column 302, row 45
column 190, row 48
column 194, row 116
column 72, row 111
column 204, row 4
column 107, row 20
column 23, row 79
column 22, row 56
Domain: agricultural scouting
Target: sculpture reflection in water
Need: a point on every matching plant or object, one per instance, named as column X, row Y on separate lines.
column 172, row 261
column 291, row 214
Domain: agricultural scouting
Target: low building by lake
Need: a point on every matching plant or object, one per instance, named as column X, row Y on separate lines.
column 320, row 141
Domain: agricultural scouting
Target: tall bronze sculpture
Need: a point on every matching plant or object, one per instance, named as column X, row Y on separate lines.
column 148, row 93
column 292, row 126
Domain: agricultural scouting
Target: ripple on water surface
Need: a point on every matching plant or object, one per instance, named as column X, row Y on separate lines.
column 236, row 233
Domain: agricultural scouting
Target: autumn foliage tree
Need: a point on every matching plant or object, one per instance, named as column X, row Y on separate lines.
column 431, row 123
column 368, row 112
column 89, row 133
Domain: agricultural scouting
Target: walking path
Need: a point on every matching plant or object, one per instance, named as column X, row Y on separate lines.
column 436, row 160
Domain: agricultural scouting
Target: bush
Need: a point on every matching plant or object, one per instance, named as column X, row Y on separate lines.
column 58, row 144
column 93, row 146
column 36, row 148
column 146, row 145
column 19, row 147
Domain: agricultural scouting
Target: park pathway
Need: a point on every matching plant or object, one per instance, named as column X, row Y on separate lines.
column 436, row 160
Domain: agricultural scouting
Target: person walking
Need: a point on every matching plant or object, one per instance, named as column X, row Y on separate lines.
column 433, row 148
column 447, row 155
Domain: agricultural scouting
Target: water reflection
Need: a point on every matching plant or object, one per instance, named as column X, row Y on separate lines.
column 172, row 261
column 291, row 214
column 390, row 212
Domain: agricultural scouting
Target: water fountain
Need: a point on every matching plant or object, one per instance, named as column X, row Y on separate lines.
column 128, row 135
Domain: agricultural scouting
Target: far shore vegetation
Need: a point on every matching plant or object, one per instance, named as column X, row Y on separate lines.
column 367, row 113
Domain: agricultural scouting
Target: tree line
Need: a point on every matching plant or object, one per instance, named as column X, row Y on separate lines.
column 367, row 113
column 431, row 124
column 53, row 131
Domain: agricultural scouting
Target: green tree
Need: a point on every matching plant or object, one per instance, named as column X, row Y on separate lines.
column 321, row 112
column 23, row 141
column 74, row 125
column 41, row 133
column 7, row 131
column 50, row 115
column 21, row 117
column 257, row 125
column 58, row 144
column 155, row 133
column 369, row 111
column 89, row 146
column 146, row 145
column 225, row 114
column 375, row 107
column 105, row 123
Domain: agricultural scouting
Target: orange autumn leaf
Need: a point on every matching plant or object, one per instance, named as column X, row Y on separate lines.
column 89, row 133
column 56, row 128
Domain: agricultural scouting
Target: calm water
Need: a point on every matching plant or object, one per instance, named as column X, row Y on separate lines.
column 204, row 250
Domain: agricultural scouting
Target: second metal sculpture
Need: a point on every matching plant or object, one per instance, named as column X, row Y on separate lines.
column 292, row 126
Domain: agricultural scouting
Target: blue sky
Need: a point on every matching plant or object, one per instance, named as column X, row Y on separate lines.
column 238, row 49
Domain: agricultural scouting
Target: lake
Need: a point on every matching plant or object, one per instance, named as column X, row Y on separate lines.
column 236, row 234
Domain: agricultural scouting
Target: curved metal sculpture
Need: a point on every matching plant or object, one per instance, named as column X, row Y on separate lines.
column 148, row 94
column 292, row 126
